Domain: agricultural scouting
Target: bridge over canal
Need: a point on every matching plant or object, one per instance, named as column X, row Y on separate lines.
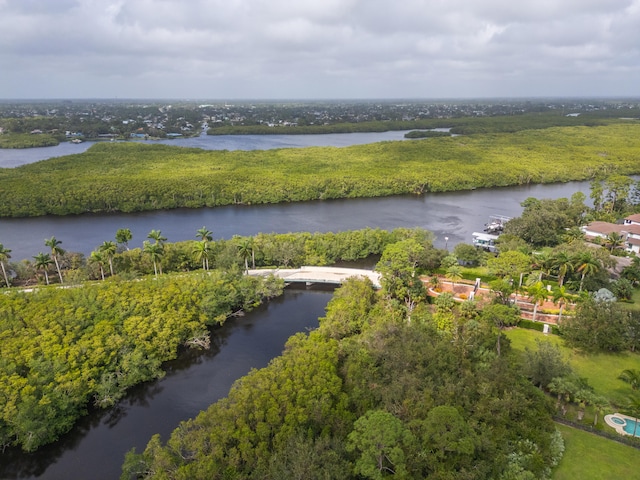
column 309, row 275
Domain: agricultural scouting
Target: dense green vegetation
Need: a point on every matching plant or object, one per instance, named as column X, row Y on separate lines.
column 384, row 397
column 425, row 134
column 130, row 177
column 600, row 369
column 63, row 349
column 27, row 140
column 465, row 125
column 262, row 250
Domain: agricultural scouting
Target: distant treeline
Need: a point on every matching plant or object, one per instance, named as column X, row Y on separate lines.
column 458, row 125
column 27, row 140
column 133, row 177
column 425, row 134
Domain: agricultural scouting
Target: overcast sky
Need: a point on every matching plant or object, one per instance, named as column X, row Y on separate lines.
column 318, row 49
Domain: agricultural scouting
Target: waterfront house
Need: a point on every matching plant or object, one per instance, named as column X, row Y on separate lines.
column 630, row 231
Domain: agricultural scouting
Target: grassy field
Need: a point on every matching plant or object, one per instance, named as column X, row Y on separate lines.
column 600, row 369
column 589, row 457
column 635, row 299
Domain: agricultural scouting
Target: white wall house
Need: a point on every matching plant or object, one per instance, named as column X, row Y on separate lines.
column 630, row 231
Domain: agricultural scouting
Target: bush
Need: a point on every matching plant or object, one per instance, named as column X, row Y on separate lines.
column 539, row 326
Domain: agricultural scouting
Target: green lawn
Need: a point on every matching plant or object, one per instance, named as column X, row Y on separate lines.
column 601, row 369
column 589, row 457
column 635, row 298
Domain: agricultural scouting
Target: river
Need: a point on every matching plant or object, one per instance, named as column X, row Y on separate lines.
column 96, row 447
column 454, row 215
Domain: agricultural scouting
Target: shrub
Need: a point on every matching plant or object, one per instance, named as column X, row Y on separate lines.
column 539, row 326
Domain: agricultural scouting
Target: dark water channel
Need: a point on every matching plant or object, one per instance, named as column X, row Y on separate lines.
column 96, row 447
column 454, row 215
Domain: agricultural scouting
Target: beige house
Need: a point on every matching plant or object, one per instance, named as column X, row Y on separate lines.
column 630, row 231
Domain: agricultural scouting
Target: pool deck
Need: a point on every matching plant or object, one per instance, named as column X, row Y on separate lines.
column 608, row 419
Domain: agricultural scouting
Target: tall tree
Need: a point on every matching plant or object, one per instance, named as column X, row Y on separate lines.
column 586, row 264
column 156, row 236
column 538, row 293
column 205, row 235
column 42, row 262
column 614, row 241
column 379, row 438
column 509, row 264
column 4, row 256
column 560, row 297
column 108, row 249
column 123, row 237
column 56, row 250
column 201, row 251
column 245, row 248
column 545, row 364
column 618, row 188
column 98, row 258
column 454, row 273
column 155, row 251
column 563, row 264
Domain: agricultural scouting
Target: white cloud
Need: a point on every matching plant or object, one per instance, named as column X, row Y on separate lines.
column 318, row 48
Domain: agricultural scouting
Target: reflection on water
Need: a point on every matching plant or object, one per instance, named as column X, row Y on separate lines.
column 96, row 447
column 454, row 214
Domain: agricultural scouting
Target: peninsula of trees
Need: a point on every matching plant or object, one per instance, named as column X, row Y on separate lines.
column 135, row 177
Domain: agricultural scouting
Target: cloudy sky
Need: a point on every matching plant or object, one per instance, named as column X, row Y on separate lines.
column 308, row 49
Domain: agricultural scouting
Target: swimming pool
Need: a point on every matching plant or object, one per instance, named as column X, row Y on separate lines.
column 623, row 424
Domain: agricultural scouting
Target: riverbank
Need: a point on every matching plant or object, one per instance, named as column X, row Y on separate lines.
column 136, row 177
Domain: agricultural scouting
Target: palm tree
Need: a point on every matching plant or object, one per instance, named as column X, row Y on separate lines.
column 56, row 250
column 245, row 247
column 600, row 405
column 109, row 250
column 632, row 377
column 564, row 389
column 204, row 234
column 454, row 273
column 43, row 260
column 586, row 264
column 560, row 298
column 4, row 256
column 573, row 234
column 123, row 237
column 543, row 263
column 633, row 408
column 156, row 235
column 563, row 263
column 538, row 293
column 155, row 250
column 201, row 251
column 614, row 241
column 98, row 258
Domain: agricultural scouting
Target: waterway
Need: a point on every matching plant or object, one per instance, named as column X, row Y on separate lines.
column 14, row 157
column 453, row 216
column 96, row 447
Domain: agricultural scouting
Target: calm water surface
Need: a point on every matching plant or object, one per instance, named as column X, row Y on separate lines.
column 14, row 157
column 96, row 447
column 455, row 215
